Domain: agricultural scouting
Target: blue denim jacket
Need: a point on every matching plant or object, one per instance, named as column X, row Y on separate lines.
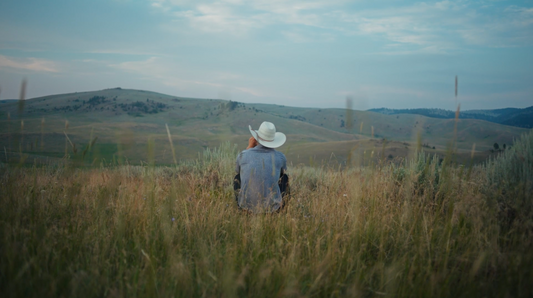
column 260, row 168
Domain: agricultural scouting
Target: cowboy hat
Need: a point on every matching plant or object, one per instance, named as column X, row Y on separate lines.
column 267, row 135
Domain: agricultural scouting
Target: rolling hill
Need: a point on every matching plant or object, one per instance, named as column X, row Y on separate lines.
column 508, row 116
column 130, row 126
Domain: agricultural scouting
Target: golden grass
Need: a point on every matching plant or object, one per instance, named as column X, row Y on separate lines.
column 414, row 229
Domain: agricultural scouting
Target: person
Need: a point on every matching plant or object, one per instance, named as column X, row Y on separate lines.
column 261, row 183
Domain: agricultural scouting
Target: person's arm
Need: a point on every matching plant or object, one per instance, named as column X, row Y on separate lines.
column 252, row 142
column 238, row 164
column 283, row 165
column 237, row 179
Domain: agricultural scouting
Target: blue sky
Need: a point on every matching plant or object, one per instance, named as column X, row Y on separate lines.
column 382, row 53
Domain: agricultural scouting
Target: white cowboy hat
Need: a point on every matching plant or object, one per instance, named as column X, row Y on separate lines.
column 267, row 135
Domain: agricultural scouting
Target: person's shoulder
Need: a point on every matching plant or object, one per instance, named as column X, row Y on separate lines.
column 241, row 154
column 246, row 152
column 280, row 154
column 260, row 149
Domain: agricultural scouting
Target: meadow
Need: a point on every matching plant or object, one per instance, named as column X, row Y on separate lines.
column 418, row 227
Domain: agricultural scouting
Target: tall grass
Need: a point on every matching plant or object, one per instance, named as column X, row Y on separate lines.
column 420, row 228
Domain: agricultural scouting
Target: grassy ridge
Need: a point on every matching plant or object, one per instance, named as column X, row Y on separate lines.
column 421, row 228
column 508, row 116
column 130, row 119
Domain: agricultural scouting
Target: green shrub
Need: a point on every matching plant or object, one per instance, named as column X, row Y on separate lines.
column 510, row 183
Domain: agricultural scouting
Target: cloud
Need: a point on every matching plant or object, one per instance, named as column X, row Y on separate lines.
column 221, row 18
column 441, row 26
column 238, row 18
column 32, row 64
column 446, row 26
column 397, row 29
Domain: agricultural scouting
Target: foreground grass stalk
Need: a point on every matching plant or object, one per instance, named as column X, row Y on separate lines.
column 171, row 145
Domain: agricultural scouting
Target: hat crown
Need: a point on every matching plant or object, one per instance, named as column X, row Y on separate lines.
column 267, row 131
column 267, row 135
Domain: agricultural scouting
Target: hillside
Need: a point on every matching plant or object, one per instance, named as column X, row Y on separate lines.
column 129, row 126
column 508, row 116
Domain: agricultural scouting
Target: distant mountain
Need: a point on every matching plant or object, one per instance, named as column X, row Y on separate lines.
column 7, row 101
column 508, row 116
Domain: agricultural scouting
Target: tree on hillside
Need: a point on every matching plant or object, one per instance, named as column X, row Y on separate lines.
column 496, row 146
column 231, row 105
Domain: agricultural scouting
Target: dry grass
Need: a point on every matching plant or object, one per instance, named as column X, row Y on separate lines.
column 415, row 229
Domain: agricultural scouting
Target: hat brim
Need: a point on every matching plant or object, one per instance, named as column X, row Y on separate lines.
column 279, row 139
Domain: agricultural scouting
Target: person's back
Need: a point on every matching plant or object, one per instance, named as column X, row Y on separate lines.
column 259, row 169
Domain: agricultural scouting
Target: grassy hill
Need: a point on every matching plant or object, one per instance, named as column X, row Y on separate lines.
column 130, row 126
column 508, row 116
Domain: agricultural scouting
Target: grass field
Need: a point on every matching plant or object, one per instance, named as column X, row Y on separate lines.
column 417, row 228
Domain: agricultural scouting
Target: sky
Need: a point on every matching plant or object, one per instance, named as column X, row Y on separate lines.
column 381, row 53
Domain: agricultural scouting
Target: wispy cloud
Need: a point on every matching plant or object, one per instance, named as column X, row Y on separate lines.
column 510, row 27
column 450, row 24
column 219, row 17
column 439, row 27
column 241, row 17
column 31, row 64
